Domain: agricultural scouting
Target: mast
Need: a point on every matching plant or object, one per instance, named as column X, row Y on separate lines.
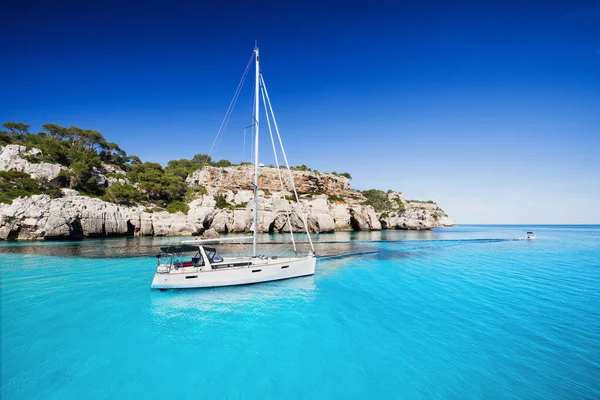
column 256, row 116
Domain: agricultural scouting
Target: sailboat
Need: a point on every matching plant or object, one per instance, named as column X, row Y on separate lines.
column 206, row 267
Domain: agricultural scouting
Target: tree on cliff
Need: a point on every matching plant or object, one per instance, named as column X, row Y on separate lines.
column 15, row 184
column 202, row 159
column 18, row 128
column 84, row 151
column 121, row 193
column 181, row 167
column 55, row 131
column 378, row 199
column 157, row 183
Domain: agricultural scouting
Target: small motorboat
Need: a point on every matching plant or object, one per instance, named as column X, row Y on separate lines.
column 530, row 236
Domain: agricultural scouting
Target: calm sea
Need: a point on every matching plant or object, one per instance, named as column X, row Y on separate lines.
column 466, row 312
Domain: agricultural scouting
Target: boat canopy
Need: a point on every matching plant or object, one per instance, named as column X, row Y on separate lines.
column 213, row 255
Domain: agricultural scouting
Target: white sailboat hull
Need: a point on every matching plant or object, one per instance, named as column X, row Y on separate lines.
column 262, row 270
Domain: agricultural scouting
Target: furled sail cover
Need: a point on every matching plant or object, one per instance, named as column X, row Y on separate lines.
column 179, row 248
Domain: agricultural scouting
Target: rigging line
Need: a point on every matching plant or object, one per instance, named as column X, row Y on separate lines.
column 279, row 170
column 302, row 214
column 236, row 97
column 230, row 111
column 230, row 108
column 278, row 247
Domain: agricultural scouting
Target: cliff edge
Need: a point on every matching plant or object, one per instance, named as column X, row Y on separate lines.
column 223, row 202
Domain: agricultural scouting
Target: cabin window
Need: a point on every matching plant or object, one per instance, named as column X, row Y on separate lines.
column 198, row 261
column 256, row 270
column 212, row 255
column 285, row 266
column 191, row 277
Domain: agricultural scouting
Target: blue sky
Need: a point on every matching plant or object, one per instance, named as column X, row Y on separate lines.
column 491, row 108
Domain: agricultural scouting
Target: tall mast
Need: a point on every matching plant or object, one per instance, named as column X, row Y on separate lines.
column 256, row 117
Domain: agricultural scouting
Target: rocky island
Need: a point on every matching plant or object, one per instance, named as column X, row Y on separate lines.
column 71, row 183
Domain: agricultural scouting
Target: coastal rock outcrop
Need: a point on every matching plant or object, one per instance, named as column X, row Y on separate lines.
column 11, row 159
column 325, row 203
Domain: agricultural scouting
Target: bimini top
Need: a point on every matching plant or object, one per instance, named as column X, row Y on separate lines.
column 530, row 233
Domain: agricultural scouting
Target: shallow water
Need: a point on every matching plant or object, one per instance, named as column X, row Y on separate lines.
column 465, row 312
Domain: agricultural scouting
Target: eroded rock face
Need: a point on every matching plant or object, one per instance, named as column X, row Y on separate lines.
column 11, row 160
column 242, row 177
column 338, row 208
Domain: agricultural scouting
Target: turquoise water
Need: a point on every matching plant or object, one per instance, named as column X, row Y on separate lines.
column 438, row 314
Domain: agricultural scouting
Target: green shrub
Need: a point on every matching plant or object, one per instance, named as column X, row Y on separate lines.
column 378, row 199
column 182, row 168
column 177, row 206
column 5, row 138
column 335, row 198
column 15, row 184
column 346, row 174
column 158, row 184
column 121, row 193
column 301, row 168
column 222, row 163
column 32, row 159
column 221, row 201
column 290, row 198
column 401, row 205
column 202, row 159
column 194, row 192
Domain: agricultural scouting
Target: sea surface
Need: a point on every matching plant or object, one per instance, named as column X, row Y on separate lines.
column 470, row 312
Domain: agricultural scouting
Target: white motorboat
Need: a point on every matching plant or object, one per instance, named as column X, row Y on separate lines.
column 205, row 267
column 530, row 236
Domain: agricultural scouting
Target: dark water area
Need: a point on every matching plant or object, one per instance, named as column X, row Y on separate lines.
column 326, row 245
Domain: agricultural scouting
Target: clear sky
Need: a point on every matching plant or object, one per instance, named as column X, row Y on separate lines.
column 490, row 108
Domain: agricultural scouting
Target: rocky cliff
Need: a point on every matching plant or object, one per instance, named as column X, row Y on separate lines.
column 225, row 206
column 13, row 158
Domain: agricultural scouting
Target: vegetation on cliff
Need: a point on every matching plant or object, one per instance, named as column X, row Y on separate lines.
column 15, row 184
column 85, row 153
column 382, row 203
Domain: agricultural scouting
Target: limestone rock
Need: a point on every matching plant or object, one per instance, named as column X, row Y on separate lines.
column 11, row 160
column 242, row 177
column 210, row 234
column 336, row 208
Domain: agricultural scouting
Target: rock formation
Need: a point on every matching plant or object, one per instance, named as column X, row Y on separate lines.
column 11, row 159
column 326, row 200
